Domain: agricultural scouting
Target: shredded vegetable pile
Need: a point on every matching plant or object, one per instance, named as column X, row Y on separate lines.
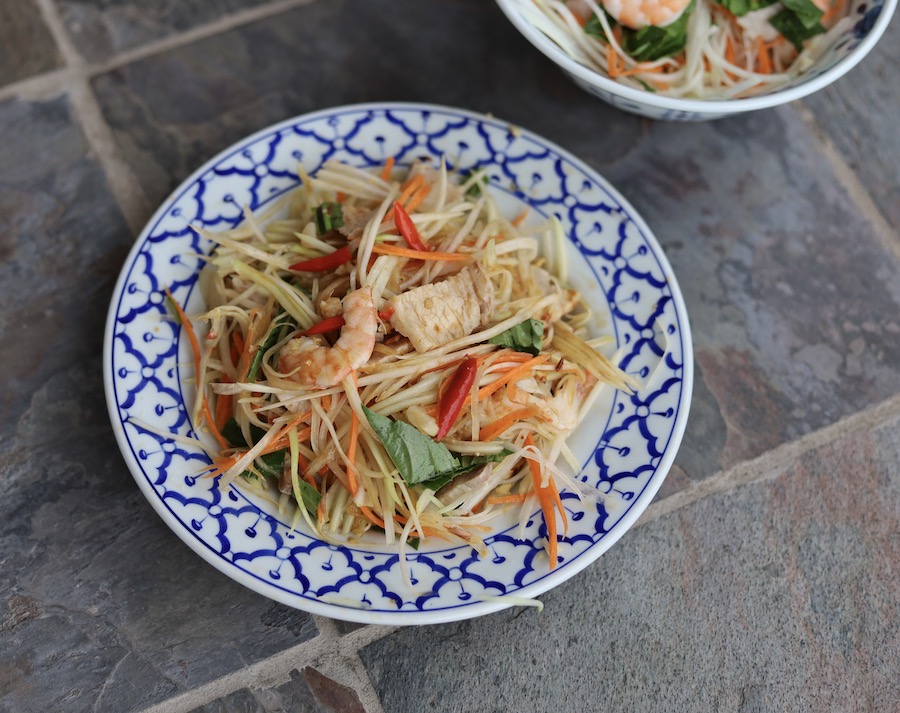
column 704, row 49
column 384, row 351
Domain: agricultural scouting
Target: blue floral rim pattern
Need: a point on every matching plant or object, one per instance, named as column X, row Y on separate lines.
column 626, row 449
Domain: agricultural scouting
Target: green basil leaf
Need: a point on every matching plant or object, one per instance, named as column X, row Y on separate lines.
column 310, row 495
column 524, row 337
column 793, row 29
column 466, row 464
column 233, row 434
column 271, row 464
column 413, row 542
column 417, row 457
column 806, row 11
column 742, row 7
column 651, row 43
column 595, row 29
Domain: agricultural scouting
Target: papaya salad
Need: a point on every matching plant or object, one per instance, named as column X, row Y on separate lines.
column 703, row 49
column 385, row 352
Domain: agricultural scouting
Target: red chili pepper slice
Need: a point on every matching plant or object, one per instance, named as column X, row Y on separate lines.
column 455, row 396
column 329, row 324
column 326, row 262
column 407, row 228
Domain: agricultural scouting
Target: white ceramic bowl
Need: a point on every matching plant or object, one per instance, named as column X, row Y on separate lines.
column 874, row 16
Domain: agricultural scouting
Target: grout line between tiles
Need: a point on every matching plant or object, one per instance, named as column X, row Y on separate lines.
column 772, row 463
column 333, row 655
column 851, row 183
column 120, row 179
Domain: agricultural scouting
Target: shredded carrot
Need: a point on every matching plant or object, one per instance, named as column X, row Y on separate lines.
column 410, row 187
column 512, row 375
column 237, row 346
column 504, row 499
column 495, row 428
column 371, row 516
column 764, row 64
column 195, row 350
column 417, row 198
column 517, row 221
column 224, row 407
column 545, row 498
column 386, row 249
column 640, row 69
column 611, row 63
column 351, row 448
column 341, row 196
column 388, row 167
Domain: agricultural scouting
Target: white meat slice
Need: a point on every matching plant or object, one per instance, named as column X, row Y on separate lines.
column 433, row 315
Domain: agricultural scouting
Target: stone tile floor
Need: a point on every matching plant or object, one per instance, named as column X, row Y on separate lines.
column 765, row 577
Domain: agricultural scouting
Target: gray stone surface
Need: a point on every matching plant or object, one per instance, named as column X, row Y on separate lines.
column 100, row 28
column 766, row 243
column 859, row 113
column 102, row 607
column 309, row 692
column 26, row 45
column 778, row 596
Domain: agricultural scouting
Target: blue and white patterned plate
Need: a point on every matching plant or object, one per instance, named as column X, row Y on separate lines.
column 627, row 445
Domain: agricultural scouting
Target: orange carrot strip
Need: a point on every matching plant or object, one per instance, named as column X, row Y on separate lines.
column 388, row 167
column 224, row 408
column 495, row 428
column 764, row 65
column 195, row 350
column 512, row 375
column 351, row 448
column 517, row 221
column 385, row 249
column 417, row 198
column 409, row 188
column 341, row 196
column 547, row 505
column 371, row 516
column 503, row 499
column 611, row 61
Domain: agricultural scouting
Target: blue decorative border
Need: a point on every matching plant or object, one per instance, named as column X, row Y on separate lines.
column 252, row 545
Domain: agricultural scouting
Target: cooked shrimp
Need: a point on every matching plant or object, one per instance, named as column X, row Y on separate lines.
column 640, row 13
column 308, row 362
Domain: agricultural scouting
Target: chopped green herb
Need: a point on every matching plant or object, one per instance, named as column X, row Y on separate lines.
column 413, row 542
column 595, row 29
column 651, row 43
column 806, row 11
column 742, row 7
column 792, row 27
column 271, row 339
column 328, row 215
column 417, row 457
column 173, row 308
column 466, row 464
column 524, row 337
column 310, row 495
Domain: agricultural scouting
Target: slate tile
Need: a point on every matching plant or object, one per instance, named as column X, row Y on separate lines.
column 779, row 595
column 328, row 54
column 859, row 114
column 309, row 692
column 102, row 607
column 767, row 245
column 792, row 297
column 26, row 45
column 62, row 242
column 101, row 28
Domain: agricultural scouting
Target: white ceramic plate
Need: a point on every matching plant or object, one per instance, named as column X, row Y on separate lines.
column 626, row 446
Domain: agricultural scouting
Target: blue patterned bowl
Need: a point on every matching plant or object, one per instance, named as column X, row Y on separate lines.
column 626, row 446
column 873, row 18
